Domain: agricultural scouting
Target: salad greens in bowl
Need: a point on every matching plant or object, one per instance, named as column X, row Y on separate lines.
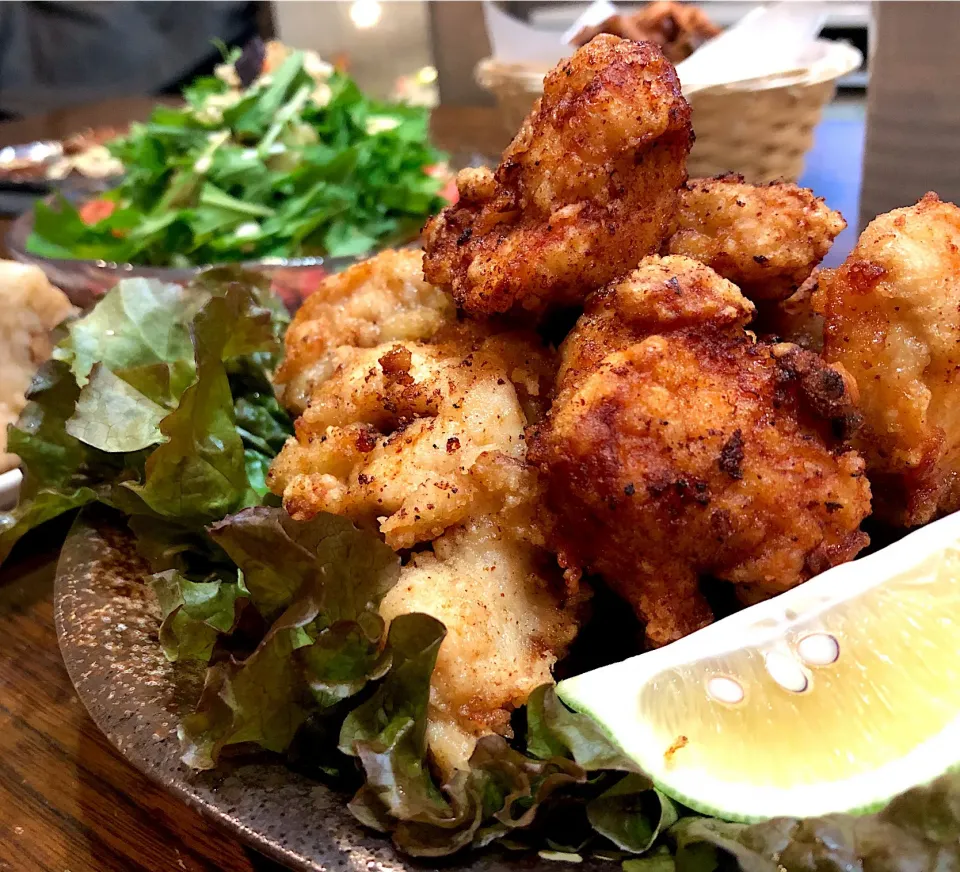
column 278, row 161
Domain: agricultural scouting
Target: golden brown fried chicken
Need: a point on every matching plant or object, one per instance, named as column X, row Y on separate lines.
column 426, row 443
column 678, row 28
column 679, row 447
column 766, row 239
column 892, row 319
column 793, row 319
column 383, row 299
column 583, row 192
column 507, row 623
column 414, row 438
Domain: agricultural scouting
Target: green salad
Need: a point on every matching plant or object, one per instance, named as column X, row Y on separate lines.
column 297, row 163
column 158, row 405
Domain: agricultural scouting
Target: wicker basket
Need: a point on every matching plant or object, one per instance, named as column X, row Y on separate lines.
column 761, row 128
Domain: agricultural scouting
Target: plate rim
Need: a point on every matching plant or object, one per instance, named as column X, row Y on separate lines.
column 66, row 581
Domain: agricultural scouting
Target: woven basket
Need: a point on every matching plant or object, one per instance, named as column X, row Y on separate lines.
column 761, row 128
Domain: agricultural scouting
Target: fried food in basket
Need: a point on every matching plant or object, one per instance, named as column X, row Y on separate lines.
column 766, row 239
column 584, row 191
column 679, row 447
column 383, row 299
column 678, row 28
column 892, row 319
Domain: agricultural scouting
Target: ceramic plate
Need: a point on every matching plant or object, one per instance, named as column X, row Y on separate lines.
column 107, row 625
column 9, row 488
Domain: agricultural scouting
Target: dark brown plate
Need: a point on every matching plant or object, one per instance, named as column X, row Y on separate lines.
column 107, row 626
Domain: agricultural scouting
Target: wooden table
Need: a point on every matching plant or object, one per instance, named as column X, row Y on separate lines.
column 68, row 800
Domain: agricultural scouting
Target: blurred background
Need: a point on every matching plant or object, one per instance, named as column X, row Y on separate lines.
column 56, row 59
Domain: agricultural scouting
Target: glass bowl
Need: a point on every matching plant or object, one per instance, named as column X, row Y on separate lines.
column 84, row 281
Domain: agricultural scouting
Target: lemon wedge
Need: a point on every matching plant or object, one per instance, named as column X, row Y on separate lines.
column 833, row 697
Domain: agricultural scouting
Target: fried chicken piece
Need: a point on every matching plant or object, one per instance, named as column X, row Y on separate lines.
column 383, row 299
column 793, row 319
column 678, row 447
column 507, row 622
column 30, row 307
column 766, row 239
column 425, row 442
column 584, row 191
column 892, row 318
column 414, row 438
column 678, row 28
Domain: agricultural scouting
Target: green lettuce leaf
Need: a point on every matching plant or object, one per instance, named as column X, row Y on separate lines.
column 199, row 474
column 388, row 731
column 165, row 372
column 659, row 860
column 138, row 323
column 194, row 613
column 114, row 416
column 328, row 578
column 596, row 801
column 553, row 730
column 329, row 567
column 47, row 452
column 43, row 506
column 261, row 700
column 918, row 831
column 60, row 472
column 632, row 814
column 167, row 545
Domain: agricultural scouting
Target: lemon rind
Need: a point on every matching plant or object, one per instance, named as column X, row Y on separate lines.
column 607, row 694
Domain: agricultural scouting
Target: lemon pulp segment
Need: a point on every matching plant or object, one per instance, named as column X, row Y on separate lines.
column 883, row 716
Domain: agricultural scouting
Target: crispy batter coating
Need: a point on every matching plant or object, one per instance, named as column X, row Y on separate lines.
column 583, row 192
column 415, row 438
column 30, row 307
column 766, row 239
column 507, row 624
column 678, row 447
column 793, row 319
column 425, row 442
column 892, row 318
column 383, row 299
